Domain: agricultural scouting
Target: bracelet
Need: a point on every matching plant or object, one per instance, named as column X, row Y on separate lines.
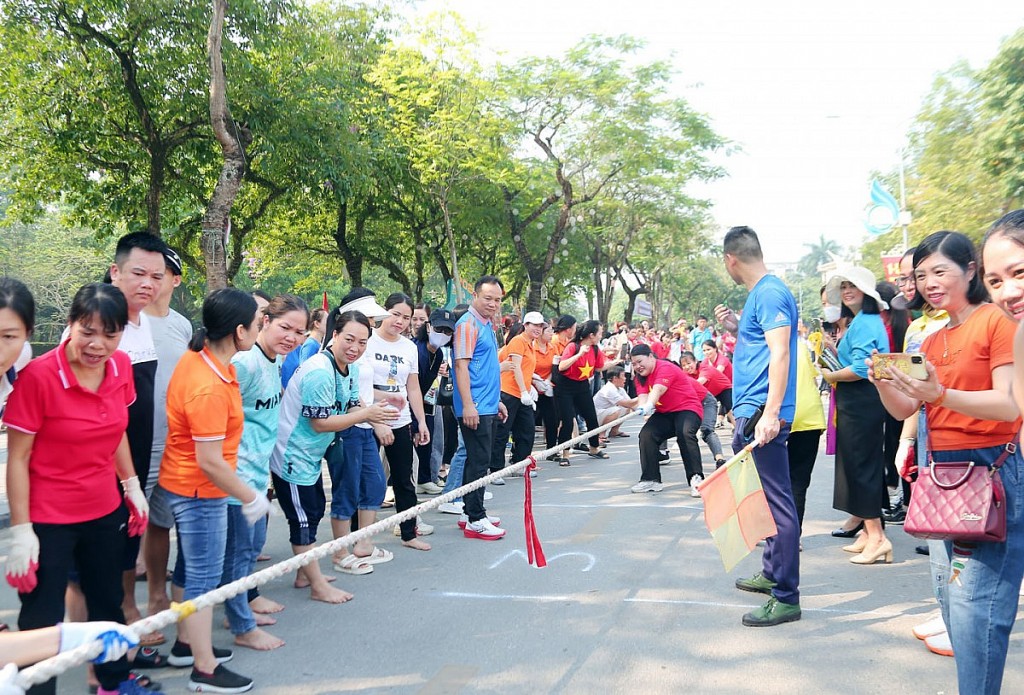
column 941, row 397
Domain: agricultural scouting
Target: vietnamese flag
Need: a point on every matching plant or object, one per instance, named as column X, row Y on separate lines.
column 325, row 306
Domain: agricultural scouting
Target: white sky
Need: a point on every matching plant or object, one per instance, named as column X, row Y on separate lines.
column 817, row 94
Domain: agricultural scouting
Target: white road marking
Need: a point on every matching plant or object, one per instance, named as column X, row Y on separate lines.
column 591, row 560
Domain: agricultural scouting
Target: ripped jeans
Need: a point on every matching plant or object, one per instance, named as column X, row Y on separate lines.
column 977, row 585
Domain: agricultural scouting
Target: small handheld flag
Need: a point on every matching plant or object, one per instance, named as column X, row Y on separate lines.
column 325, row 306
column 735, row 509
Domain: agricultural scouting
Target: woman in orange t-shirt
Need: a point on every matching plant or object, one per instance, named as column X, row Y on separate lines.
column 544, row 351
column 971, row 416
column 197, row 475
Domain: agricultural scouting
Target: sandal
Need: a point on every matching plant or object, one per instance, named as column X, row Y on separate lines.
column 378, row 556
column 597, row 455
column 141, row 679
column 564, row 463
column 621, row 434
column 148, row 657
column 152, row 639
column 352, row 564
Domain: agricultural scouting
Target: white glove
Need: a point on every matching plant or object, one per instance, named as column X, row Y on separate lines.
column 117, row 638
column 23, row 558
column 9, row 681
column 257, row 509
column 138, row 507
column 534, row 396
column 645, row 409
column 906, row 460
column 527, row 399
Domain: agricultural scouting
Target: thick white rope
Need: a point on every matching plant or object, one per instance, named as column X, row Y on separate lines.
column 54, row 666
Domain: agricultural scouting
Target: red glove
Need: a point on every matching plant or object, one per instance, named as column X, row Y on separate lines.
column 906, row 459
column 23, row 558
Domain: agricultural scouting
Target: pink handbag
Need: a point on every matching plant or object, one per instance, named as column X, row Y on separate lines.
column 959, row 501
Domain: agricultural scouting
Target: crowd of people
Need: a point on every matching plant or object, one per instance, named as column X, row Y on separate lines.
column 198, row 431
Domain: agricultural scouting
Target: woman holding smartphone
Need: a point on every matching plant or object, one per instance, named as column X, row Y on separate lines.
column 971, row 416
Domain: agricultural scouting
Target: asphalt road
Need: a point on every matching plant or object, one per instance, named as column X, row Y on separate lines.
column 634, row 599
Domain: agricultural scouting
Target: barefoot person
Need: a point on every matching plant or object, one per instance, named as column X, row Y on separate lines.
column 321, row 399
column 282, row 328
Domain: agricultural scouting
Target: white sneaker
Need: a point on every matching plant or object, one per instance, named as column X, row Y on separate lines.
column 647, row 486
column 694, row 482
column 498, row 481
column 429, row 488
column 488, row 495
column 422, row 529
column 484, row 530
column 450, row 508
column 464, row 520
column 939, row 644
column 929, row 627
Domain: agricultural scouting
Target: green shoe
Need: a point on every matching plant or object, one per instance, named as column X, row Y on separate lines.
column 759, row 584
column 774, row 612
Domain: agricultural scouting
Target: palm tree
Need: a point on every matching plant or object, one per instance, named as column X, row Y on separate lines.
column 817, row 253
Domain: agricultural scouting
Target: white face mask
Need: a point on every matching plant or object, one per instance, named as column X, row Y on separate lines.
column 437, row 339
column 832, row 313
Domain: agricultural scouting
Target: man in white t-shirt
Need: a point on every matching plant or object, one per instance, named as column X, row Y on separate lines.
column 612, row 402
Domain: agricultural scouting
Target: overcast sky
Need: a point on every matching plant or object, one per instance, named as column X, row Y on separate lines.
column 817, row 94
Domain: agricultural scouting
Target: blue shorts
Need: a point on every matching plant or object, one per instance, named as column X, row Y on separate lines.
column 303, row 506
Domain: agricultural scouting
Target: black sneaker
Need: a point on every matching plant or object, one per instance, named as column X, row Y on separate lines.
column 220, row 681
column 896, row 518
column 181, row 655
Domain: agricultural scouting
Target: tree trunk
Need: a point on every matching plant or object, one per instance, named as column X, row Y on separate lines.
column 233, row 140
column 450, row 235
column 353, row 262
column 157, row 172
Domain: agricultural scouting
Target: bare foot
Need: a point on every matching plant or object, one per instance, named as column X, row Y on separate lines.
column 416, row 544
column 303, row 583
column 262, row 604
column 259, row 640
column 328, row 594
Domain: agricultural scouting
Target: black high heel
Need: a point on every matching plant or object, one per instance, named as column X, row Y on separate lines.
column 843, row 533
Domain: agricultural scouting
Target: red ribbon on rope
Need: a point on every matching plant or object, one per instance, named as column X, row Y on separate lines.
column 534, row 553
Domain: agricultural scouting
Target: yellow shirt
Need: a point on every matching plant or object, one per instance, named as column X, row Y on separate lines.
column 809, row 413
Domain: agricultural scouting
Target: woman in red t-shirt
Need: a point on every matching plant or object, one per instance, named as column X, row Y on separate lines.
column 67, row 511
column 573, row 394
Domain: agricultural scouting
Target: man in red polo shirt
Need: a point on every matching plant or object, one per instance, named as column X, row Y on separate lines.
column 668, row 396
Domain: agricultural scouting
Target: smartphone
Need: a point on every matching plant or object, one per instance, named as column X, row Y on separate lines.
column 748, row 428
column 910, row 364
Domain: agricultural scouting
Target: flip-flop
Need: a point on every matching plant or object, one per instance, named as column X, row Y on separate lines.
column 620, row 434
column 152, row 639
column 598, row 455
column 140, row 679
column 148, row 657
column 350, row 564
column 378, row 556
column 564, row 463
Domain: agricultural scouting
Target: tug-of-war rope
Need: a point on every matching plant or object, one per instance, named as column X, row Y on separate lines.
column 54, row 666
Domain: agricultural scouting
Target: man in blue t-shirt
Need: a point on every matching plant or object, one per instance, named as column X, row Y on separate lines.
column 477, row 398
column 764, row 381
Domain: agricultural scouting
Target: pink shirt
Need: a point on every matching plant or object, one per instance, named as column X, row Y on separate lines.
column 72, row 476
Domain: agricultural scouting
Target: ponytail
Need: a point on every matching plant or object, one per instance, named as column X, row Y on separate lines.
column 198, row 340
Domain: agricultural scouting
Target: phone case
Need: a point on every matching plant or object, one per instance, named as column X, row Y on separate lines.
column 883, row 362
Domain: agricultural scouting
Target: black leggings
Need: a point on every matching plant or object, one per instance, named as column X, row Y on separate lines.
column 572, row 398
column 400, row 460
column 547, row 413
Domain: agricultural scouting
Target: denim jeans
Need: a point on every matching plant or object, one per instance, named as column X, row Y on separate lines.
column 357, row 476
column 202, row 525
column 240, row 561
column 707, row 426
column 455, row 469
column 977, row 584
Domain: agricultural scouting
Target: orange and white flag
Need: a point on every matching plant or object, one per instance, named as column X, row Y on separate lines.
column 735, row 509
